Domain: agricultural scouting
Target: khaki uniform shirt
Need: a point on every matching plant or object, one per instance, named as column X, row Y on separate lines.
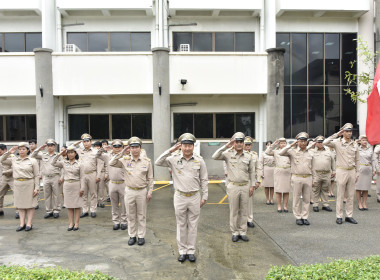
column 376, row 158
column 240, row 167
column 71, row 171
column 365, row 156
column 280, row 161
column 46, row 159
column 300, row 161
column 115, row 172
column 6, row 166
column 188, row 175
column 323, row 161
column 347, row 153
column 138, row 173
column 89, row 161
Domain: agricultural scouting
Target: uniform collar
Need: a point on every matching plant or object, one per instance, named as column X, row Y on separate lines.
column 346, row 142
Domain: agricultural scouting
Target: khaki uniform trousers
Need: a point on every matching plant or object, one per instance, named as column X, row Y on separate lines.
column 6, row 183
column 90, row 187
column 60, row 199
column 321, row 188
column 346, row 189
column 135, row 201
column 187, row 211
column 101, row 189
column 301, row 187
column 238, row 197
column 51, row 194
column 119, row 214
column 250, row 208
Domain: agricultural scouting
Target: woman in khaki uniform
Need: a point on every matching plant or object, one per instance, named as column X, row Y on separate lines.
column 73, row 175
column 267, row 166
column 282, row 173
column 363, row 185
column 26, row 184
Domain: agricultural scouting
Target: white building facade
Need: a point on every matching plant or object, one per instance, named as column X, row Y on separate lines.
column 156, row 69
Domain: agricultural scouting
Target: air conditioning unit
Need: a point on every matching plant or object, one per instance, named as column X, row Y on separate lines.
column 72, row 48
column 184, row 47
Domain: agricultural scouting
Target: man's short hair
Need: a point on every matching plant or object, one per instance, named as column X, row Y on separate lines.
column 105, row 141
column 97, row 144
column 32, row 141
column 3, row 147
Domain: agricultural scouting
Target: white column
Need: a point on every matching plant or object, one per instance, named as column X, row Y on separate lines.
column 366, row 32
column 270, row 24
column 262, row 30
column 48, row 24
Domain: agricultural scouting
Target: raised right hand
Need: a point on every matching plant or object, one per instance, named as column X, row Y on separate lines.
column 176, row 147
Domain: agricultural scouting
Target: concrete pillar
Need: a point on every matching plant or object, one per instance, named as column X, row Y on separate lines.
column 275, row 96
column 270, row 23
column 366, row 32
column 44, row 95
column 161, row 108
column 49, row 29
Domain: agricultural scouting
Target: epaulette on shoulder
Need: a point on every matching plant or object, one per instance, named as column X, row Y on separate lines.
column 198, row 156
column 11, row 155
column 253, row 152
column 147, row 159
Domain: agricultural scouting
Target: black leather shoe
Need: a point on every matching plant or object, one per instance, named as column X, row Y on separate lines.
column 56, row 215
column 315, row 209
column 235, row 238
column 75, row 228
column 93, row 214
column 360, row 209
column 101, row 205
column 182, row 258
column 339, row 221
column 70, row 228
column 327, row 208
column 108, row 199
column 17, row 216
column 244, row 238
column 378, row 200
column 28, row 228
column 250, row 224
column 286, row 211
column 84, row 215
column 365, row 209
column 123, row 226
column 20, row 228
column 140, row 241
column 116, row 226
column 350, row 220
column 191, row 257
column 37, row 207
column 279, row 211
column 132, row 241
column 306, row 222
column 369, row 195
column 48, row 215
column 299, row 222
column 1, row 213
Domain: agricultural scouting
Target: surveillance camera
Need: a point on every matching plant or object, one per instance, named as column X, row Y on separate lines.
column 183, row 81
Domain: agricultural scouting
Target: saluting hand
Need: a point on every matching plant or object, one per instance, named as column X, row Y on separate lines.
column 13, row 149
column 126, row 150
column 294, row 144
column 230, row 143
column 176, row 147
column 42, row 147
column 276, row 142
column 61, row 153
column 203, row 202
column 340, row 133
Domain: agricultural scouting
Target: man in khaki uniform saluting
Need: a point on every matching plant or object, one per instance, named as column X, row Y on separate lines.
column 189, row 178
column 301, row 180
column 116, row 185
column 6, row 180
column 92, row 171
column 139, row 187
column 347, row 170
column 102, row 184
column 323, row 171
column 242, row 179
column 51, row 176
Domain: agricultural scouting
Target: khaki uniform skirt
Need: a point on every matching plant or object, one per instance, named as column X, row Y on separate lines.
column 23, row 194
column 282, row 180
column 71, row 192
column 268, row 181
column 365, row 178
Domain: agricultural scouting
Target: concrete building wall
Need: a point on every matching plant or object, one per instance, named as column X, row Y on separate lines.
column 17, row 24
column 311, row 24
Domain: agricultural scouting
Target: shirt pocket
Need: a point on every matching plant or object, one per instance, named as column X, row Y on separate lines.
column 196, row 169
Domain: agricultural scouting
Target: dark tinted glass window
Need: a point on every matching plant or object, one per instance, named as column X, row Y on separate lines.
column 121, row 126
column 79, row 39
column 14, row 42
column 142, row 126
column 97, row 42
column 203, row 124
column 224, row 125
column 183, row 123
column 316, row 111
column 31, row 126
column 348, row 108
column 316, row 59
column 287, row 112
column 140, row 42
column 1, row 42
column 332, row 95
column 120, row 42
column 348, row 54
column 299, row 73
column 1, row 127
column 299, row 110
column 246, row 123
column 32, row 41
column 224, row 42
column 283, row 41
column 99, row 126
column 182, row 38
column 244, row 42
column 78, row 124
column 332, row 67
column 15, row 126
column 202, row 42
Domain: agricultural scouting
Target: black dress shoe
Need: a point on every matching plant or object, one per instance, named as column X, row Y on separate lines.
column 28, row 228
column 235, row 238
column 48, row 215
column 123, row 226
column 75, row 228
column 378, row 200
column 327, row 208
column 56, row 215
column 116, row 226
column 250, row 224
column 369, row 195
column 108, row 199
column 315, row 209
column 244, row 238
column 140, row 241
column 182, row 258
column 84, row 215
column 365, row 209
column 299, row 222
column 271, row 203
column 20, row 228
column 361, row 209
column 17, row 216
column 339, row 221
column 70, row 228
column 268, row 203
column 101, row 205
column 37, row 207
column 191, row 257
column 93, row 214
column 279, row 211
column 131, row 241
column 350, row 220
column 286, row 211
column 306, row 222
column 1, row 213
